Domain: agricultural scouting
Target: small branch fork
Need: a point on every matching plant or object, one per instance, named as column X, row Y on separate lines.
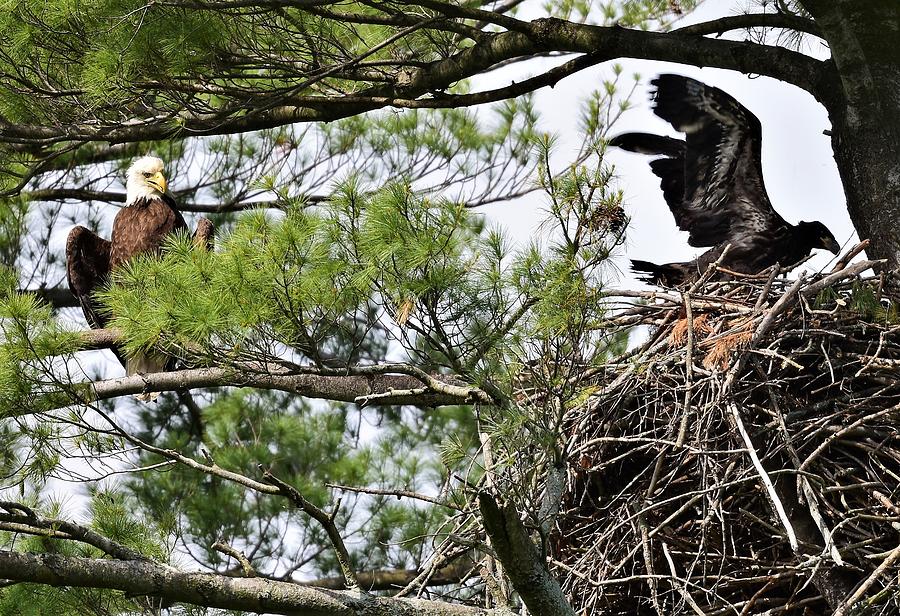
column 18, row 518
column 223, row 548
column 326, row 521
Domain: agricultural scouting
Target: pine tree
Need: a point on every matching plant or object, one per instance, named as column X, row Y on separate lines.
column 371, row 381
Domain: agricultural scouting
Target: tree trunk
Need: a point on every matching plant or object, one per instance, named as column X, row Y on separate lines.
column 863, row 102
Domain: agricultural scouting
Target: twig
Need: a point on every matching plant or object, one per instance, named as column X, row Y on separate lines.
column 689, row 372
column 764, row 477
column 224, row 548
column 858, row 594
column 843, row 261
column 682, row 589
column 828, row 441
column 395, row 493
column 327, row 523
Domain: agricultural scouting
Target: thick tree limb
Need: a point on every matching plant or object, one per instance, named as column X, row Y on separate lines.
column 602, row 43
column 143, row 578
column 390, row 389
column 387, row 384
column 92, row 339
column 521, row 560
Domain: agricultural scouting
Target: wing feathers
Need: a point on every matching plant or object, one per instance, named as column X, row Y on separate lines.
column 204, row 234
column 646, row 143
column 87, row 268
column 723, row 167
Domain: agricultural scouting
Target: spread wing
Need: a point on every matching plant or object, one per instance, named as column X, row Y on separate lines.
column 724, row 198
column 87, row 268
column 670, row 170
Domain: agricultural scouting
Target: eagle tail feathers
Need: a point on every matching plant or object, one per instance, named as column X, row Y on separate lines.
column 146, row 364
column 668, row 274
column 204, row 235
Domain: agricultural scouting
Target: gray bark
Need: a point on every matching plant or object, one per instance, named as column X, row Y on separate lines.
column 372, row 388
column 862, row 97
column 144, row 578
column 522, row 561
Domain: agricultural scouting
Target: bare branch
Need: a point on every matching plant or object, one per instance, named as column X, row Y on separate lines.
column 257, row 595
column 388, row 579
column 398, row 494
column 751, row 20
column 390, row 387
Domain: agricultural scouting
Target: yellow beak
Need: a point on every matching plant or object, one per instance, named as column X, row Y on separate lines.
column 158, row 181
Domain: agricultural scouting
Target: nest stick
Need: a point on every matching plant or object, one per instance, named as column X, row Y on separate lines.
column 766, row 480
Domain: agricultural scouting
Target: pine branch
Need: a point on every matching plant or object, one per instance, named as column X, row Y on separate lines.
column 21, row 519
column 274, row 109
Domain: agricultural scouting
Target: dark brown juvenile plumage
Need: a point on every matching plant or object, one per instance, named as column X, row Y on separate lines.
column 712, row 182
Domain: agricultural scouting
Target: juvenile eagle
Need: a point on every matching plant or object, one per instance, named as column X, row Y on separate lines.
column 713, row 184
column 149, row 215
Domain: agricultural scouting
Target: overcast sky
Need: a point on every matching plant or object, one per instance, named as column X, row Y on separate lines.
column 798, row 167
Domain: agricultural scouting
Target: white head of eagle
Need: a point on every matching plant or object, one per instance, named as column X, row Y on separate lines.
column 145, row 180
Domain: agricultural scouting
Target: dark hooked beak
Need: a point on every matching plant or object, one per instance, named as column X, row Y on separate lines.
column 831, row 244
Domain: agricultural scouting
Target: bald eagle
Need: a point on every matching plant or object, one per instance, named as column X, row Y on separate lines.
column 712, row 181
column 149, row 215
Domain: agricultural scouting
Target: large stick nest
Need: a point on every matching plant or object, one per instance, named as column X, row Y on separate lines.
column 746, row 459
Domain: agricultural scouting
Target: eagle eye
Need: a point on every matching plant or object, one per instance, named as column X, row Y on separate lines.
column 147, row 174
